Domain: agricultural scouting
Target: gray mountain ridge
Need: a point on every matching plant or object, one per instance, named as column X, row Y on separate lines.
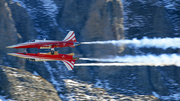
column 92, row 20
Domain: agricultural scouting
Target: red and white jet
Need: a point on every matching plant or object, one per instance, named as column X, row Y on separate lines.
column 68, row 59
column 69, row 41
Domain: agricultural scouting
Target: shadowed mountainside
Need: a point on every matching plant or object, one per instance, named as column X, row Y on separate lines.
column 92, row 20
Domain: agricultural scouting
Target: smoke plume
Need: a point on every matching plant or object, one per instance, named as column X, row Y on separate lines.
column 171, row 59
column 163, row 43
column 122, row 64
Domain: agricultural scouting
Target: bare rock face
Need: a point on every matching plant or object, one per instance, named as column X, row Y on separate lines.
column 151, row 18
column 97, row 20
column 104, row 23
column 15, row 27
column 92, row 20
column 7, row 32
column 21, row 85
column 23, row 23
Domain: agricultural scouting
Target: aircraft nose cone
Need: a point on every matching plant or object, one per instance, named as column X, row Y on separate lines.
column 16, row 46
column 10, row 47
column 12, row 54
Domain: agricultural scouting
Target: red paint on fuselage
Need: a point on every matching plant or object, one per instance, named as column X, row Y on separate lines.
column 46, row 56
column 55, row 44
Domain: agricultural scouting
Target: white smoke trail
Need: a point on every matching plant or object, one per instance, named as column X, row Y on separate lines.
column 122, row 64
column 149, row 59
column 163, row 43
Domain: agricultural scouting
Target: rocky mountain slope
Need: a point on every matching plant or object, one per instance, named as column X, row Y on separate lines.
column 18, row 84
column 92, row 20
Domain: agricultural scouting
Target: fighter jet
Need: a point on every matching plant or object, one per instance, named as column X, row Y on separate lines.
column 68, row 59
column 69, row 41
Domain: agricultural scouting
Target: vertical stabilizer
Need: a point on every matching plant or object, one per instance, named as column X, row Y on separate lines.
column 69, row 64
column 70, row 37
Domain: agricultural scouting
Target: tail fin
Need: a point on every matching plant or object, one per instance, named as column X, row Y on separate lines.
column 69, row 64
column 70, row 37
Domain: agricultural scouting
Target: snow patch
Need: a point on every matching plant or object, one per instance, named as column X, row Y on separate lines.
column 51, row 7
column 156, row 94
column 3, row 98
column 98, row 84
column 41, row 9
column 35, row 73
column 143, row 1
column 104, row 84
column 54, row 82
column 175, row 97
column 170, row 6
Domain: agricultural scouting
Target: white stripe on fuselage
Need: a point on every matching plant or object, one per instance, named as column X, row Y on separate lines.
column 20, row 55
column 28, row 43
column 38, row 59
column 31, row 57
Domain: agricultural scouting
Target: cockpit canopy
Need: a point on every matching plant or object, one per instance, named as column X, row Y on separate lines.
column 33, row 40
